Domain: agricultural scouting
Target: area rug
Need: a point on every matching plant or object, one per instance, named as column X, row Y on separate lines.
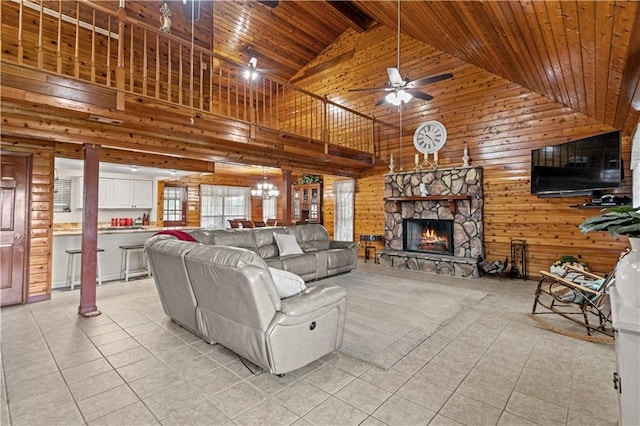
column 389, row 317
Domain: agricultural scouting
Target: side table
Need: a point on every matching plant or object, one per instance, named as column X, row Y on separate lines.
column 368, row 245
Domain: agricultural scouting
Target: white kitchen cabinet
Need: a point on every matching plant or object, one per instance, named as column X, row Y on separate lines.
column 105, row 189
column 117, row 193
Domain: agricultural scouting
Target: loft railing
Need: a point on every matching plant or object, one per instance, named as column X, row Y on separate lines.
column 86, row 41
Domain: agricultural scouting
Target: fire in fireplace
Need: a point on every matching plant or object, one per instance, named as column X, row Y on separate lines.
column 428, row 235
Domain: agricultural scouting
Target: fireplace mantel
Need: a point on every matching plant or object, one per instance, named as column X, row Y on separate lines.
column 452, row 199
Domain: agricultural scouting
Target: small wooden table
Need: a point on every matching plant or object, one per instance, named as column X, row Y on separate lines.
column 368, row 240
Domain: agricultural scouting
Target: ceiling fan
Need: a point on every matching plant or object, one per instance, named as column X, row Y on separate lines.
column 402, row 89
column 251, row 70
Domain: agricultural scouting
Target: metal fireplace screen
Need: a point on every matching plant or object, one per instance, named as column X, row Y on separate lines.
column 428, row 235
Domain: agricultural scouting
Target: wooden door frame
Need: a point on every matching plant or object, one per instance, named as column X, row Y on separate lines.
column 185, row 203
column 27, row 221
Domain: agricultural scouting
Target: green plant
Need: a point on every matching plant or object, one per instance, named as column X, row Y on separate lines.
column 309, row 179
column 623, row 220
column 571, row 260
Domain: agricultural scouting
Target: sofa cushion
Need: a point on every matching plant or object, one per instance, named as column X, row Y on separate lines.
column 287, row 244
column 266, row 245
column 311, row 236
column 287, row 283
column 242, row 238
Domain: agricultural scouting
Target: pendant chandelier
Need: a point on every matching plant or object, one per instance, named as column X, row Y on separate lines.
column 265, row 190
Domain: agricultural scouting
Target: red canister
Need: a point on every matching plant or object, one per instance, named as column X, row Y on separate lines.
column 122, row 221
column 114, row 221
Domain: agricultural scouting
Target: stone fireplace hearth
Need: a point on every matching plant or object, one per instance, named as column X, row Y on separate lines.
column 454, row 195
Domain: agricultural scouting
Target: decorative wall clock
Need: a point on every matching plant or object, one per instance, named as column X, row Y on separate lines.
column 430, row 137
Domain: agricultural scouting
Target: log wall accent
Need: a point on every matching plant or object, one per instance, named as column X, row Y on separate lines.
column 41, row 236
column 501, row 122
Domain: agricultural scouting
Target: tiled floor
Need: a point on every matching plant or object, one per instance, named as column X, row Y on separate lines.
column 131, row 366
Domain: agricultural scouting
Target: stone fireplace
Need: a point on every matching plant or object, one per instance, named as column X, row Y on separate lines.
column 427, row 235
column 416, row 225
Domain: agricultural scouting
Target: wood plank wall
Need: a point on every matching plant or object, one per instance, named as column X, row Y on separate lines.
column 41, row 236
column 501, row 122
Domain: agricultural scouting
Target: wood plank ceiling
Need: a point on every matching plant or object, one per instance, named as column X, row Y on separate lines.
column 583, row 54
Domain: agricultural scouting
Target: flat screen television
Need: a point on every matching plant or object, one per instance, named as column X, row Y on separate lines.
column 578, row 167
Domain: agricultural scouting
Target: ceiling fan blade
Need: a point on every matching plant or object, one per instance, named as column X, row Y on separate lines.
column 432, row 79
column 394, row 77
column 420, row 95
column 266, row 71
column 371, row 89
column 380, row 101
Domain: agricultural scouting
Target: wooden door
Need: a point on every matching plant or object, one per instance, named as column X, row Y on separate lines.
column 14, row 228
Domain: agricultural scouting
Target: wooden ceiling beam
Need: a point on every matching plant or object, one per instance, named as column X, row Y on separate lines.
column 358, row 20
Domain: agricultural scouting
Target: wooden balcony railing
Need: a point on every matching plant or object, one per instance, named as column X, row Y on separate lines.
column 86, row 41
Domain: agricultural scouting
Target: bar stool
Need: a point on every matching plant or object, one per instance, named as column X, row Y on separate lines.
column 72, row 256
column 125, row 262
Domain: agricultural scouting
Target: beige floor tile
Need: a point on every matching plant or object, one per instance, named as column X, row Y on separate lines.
column 88, row 369
column 536, row 410
column 118, row 346
column 424, row 393
column 47, row 405
column 410, row 364
column 597, row 403
column 114, row 336
column 270, row 384
column 329, row 379
column 486, row 392
column 67, row 415
column 268, row 412
column 129, row 321
column 440, row 420
column 471, row 412
column 389, row 380
column 24, row 360
column 135, row 414
column 493, row 374
column 156, row 383
column 47, row 366
column 94, row 385
column 576, row 418
column 301, row 397
column 71, row 345
column 72, row 359
column 508, row 419
column 142, row 328
column 172, row 400
column 400, row 411
column 335, row 412
column 363, row 395
column 354, row 366
column 441, row 376
column 237, row 399
column 242, row 368
column 194, row 367
column 106, row 402
column 545, row 389
column 101, row 329
column 372, row 421
column 36, row 386
column 141, row 369
column 128, row 357
column 201, row 413
column 214, row 381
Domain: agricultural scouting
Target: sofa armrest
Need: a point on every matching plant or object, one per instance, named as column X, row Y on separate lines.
column 312, row 299
column 342, row 244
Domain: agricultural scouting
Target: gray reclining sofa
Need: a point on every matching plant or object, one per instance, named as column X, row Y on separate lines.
column 227, row 295
column 321, row 257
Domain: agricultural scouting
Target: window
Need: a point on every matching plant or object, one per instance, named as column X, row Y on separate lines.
column 62, row 195
column 175, row 206
column 343, row 191
column 218, row 204
column 269, row 209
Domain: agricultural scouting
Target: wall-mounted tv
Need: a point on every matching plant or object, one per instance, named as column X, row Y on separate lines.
column 578, row 167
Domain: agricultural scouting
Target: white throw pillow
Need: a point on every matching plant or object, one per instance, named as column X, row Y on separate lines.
column 287, row 283
column 287, row 244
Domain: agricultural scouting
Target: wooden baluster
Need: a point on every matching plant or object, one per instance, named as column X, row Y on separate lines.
column 132, row 60
column 120, row 70
column 108, row 59
column 157, row 66
column 76, row 49
column 169, row 71
column 180, row 75
column 59, row 41
column 20, row 46
column 201, row 88
column 145, row 63
column 40, row 35
column 93, row 47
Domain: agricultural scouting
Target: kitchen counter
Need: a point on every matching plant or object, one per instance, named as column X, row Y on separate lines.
column 110, row 240
column 122, row 229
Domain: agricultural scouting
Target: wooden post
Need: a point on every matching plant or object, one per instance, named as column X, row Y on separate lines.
column 287, row 181
column 89, row 245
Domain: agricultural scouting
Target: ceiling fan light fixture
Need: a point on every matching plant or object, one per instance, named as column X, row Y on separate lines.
column 393, row 99
column 404, row 96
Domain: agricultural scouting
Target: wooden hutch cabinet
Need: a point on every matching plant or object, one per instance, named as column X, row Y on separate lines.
column 306, row 203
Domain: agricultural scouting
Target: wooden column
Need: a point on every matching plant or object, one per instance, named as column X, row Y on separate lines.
column 287, row 181
column 89, row 245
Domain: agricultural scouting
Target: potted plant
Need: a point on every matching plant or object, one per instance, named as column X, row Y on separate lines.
column 558, row 266
column 623, row 220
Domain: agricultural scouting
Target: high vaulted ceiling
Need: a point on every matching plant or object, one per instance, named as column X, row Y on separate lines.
column 583, row 54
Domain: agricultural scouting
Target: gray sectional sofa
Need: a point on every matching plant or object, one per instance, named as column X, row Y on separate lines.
column 320, row 256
